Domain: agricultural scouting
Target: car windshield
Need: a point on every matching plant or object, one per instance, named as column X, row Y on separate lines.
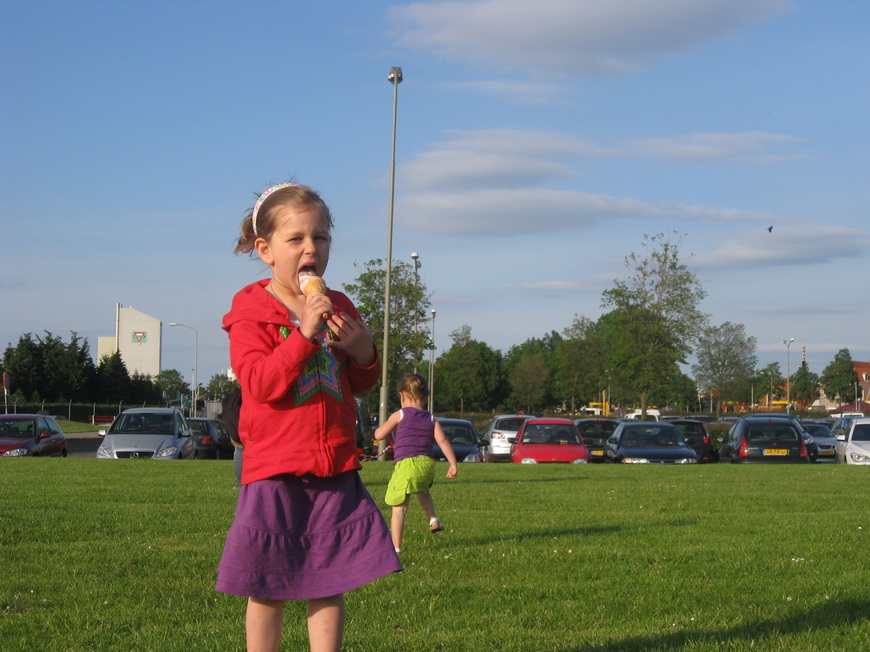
column 16, row 428
column 511, row 425
column 772, row 432
column 652, row 436
column 817, row 429
column 199, row 427
column 142, row 422
column 597, row 428
column 861, row 432
column 458, row 434
column 690, row 429
column 550, row 433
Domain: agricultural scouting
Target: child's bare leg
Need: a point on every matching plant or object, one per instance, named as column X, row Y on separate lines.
column 263, row 624
column 326, row 623
column 397, row 522
column 427, row 504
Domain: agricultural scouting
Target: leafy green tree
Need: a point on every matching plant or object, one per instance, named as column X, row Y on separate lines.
column 220, row 386
column 577, row 367
column 113, row 379
column 50, row 368
column 144, row 390
column 409, row 306
column 768, row 382
column 529, row 379
column 726, row 361
column 171, row 383
column 545, row 347
column 804, row 387
column 839, row 378
column 469, row 375
column 655, row 318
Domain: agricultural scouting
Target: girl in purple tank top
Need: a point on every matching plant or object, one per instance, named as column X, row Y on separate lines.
column 414, row 471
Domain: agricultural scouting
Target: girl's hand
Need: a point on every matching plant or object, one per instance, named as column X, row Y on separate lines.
column 316, row 305
column 451, row 472
column 353, row 337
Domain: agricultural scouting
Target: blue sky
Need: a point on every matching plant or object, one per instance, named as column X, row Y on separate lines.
column 537, row 143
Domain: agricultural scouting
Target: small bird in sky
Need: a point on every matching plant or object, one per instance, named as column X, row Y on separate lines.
column 770, row 229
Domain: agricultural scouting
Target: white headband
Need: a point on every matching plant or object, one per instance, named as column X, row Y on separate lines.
column 263, row 198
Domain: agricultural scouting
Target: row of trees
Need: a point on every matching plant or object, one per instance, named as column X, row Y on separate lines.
column 45, row 368
column 633, row 354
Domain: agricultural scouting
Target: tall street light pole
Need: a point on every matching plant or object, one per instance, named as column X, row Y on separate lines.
column 395, row 78
column 788, row 374
column 195, row 364
column 416, row 258
column 432, row 366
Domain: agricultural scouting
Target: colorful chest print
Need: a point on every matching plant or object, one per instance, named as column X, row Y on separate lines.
column 323, row 372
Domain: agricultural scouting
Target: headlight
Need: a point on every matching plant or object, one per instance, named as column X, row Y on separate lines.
column 579, row 460
column 857, row 458
column 104, row 451
column 472, row 457
column 528, row 460
column 687, row 460
column 169, row 451
column 16, row 452
column 635, row 460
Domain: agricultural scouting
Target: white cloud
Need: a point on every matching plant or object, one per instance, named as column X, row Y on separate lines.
column 567, row 37
column 787, row 245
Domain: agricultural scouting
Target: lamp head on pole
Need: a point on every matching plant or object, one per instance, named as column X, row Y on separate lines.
column 395, row 76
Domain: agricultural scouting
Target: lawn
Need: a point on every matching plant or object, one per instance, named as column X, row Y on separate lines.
column 120, row 555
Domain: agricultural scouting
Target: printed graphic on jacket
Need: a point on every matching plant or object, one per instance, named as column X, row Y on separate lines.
column 322, row 372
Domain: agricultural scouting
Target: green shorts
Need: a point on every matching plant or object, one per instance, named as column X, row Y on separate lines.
column 412, row 475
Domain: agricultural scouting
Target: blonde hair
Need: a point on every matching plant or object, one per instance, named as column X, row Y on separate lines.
column 414, row 385
column 292, row 195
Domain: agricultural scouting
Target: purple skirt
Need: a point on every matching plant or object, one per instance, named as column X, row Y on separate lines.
column 305, row 537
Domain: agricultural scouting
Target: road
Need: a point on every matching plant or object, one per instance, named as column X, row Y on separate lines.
column 82, row 444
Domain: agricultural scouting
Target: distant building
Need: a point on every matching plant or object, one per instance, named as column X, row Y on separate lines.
column 139, row 340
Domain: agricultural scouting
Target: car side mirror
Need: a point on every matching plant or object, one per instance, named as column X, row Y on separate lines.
column 101, row 433
column 612, row 440
column 841, row 437
column 483, row 442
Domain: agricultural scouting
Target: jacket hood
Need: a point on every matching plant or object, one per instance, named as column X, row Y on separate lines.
column 254, row 303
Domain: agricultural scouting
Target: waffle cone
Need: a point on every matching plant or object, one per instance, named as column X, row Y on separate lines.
column 313, row 285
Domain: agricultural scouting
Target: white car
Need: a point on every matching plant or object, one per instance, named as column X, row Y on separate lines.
column 501, row 433
column 853, row 445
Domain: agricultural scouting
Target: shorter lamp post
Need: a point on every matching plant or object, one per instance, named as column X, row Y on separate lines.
column 788, row 374
column 195, row 397
column 432, row 366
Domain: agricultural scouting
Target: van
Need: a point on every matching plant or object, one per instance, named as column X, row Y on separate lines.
column 651, row 415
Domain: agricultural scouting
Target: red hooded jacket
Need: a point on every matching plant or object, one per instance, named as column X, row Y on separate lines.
column 298, row 407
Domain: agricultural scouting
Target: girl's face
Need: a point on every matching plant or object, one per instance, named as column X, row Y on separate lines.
column 298, row 246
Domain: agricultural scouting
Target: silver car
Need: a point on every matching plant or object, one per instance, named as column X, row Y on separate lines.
column 853, row 445
column 151, row 433
column 501, row 433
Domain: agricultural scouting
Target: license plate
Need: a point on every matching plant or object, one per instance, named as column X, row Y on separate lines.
column 598, row 452
column 776, row 451
column 826, row 452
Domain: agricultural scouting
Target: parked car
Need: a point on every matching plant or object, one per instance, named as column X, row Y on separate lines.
column 501, row 433
column 463, row 440
column 842, row 425
column 648, row 442
column 595, row 432
column 823, row 440
column 31, row 435
column 853, row 446
column 212, row 439
column 543, row 441
column 765, row 439
column 157, row 433
column 697, row 437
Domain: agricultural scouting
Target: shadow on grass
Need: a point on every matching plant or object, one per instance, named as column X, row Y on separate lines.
column 583, row 531
column 830, row 615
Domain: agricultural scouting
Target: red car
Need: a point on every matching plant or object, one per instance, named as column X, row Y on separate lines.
column 31, row 435
column 544, row 441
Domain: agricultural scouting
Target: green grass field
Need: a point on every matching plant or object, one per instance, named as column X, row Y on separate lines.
column 105, row 555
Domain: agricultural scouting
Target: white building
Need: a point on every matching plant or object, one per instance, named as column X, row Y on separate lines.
column 138, row 338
